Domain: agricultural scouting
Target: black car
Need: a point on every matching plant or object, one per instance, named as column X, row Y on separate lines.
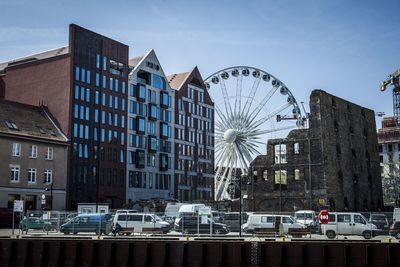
column 380, row 221
column 194, row 225
column 394, row 230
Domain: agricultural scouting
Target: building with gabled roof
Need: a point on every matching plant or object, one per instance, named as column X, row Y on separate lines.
column 34, row 153
column 194, row 137
column 150, row 165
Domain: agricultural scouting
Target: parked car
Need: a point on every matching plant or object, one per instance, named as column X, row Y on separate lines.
column 380, row 220
column 139, row 222
column 232, row 220
column 95, row 223
column 394, row 229
column 35, row 224
column 271, row 221
column 348, row 223
column 196, row 225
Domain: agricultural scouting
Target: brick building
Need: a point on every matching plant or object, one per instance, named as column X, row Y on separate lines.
column 194, row 137
column 333, row 164
column 33, row 153
column 84, row 86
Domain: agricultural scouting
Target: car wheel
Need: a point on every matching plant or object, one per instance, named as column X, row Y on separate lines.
column 98, row 232
column 330, row 234
column 398, row 235
column 120, row 233
column 217, row 231
column 75, row 233
column 46, row 228
column 367, row 235
column 66, row 233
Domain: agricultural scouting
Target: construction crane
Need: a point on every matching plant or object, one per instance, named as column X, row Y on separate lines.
column 393, row 79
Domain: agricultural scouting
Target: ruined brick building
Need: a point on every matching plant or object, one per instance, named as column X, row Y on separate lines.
column 333, row 164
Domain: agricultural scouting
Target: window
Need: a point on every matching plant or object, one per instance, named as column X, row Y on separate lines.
column 344, row 218
column 98, row 61
column 123, row 88
column 123, row 104
column 153, row 112
column 33, row 151
column 297, row 174
column 116, row 102
column 111, row 83
column 88, row 76
column 280, row 153
column 165, row 130
column 76, row 94
column 16, row 150
column 77, row 71
column 48, row 176
column 140, row 125
column 165, row 100
column 49, row 153
column 359, row 219
column 281, row 177
column 158, row 82
column 265, row 175
column 141, row 92
column 296, row 148
column 15, row 171
column 104, row 63
column 31, row 175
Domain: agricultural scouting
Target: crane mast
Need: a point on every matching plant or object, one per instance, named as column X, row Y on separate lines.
column 393, row 80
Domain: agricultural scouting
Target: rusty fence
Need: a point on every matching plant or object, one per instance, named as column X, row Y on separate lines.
column 64, row 253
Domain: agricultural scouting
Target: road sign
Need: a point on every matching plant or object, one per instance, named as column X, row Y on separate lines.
column 18, row 205
column 323, row 217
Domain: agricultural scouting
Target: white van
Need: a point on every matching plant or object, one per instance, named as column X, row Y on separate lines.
column 139, row 222
column 306, row 217
column 396, row 215
column 347, row 223
column 271, row 221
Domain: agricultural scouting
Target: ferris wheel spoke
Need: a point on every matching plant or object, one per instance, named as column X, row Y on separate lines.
column 249, row 100
column 262, row 104
column 227, row 103
column 238, row 98
column 256, row 124
column 221, row 115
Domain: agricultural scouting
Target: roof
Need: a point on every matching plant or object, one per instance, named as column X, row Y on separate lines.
column 28, row 121
column 176, row 80
column 134, row 61
column 40, row 56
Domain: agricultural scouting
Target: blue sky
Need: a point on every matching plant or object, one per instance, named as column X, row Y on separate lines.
column 344, row 47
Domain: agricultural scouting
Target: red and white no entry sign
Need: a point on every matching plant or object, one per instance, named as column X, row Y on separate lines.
column 323, row 217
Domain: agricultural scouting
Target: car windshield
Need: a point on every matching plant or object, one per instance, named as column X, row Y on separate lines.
column 304, row 216
column 157, row 219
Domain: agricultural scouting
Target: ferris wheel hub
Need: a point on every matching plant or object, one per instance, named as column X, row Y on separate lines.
column 230, row 136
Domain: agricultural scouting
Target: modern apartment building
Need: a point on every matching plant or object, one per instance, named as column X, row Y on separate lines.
column 389, row 156
column 33, row 153
column 85, row 87
column 150, row 168
column 194, row 137
column 333, row 164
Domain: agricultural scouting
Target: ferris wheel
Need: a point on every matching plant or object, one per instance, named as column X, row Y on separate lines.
column 250, row 106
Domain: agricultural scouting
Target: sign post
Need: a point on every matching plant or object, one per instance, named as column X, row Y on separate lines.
column 18, row 207
column 323, row 217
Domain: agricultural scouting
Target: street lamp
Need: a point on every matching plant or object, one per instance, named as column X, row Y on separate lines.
column 232, row 189
column 51, row 193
